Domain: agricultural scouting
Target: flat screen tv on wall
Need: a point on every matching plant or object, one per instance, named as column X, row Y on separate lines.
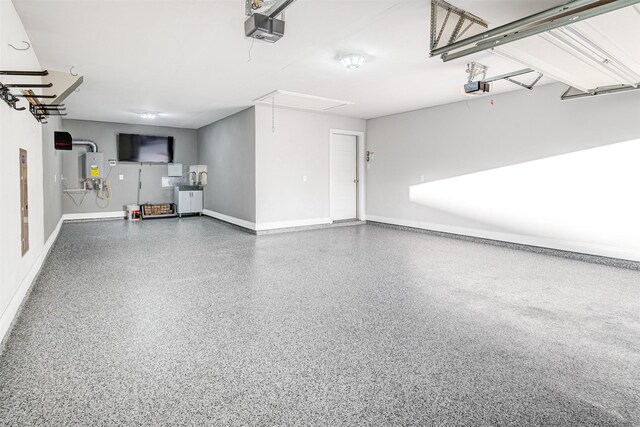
column 145, row 148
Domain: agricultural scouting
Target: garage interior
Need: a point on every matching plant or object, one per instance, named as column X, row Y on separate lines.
column 281, row 212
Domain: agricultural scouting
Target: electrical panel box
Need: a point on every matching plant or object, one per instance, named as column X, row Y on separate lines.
column 24, row 201
column 93, row 165
column 174, row 169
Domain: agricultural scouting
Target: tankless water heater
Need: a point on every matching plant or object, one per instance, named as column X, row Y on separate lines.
column 93, row 165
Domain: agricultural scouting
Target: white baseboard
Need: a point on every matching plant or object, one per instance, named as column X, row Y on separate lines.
column 230, row 219
column 53, row 237
column 262, row 226
column 93, row 215
column 563, row 245
column 13, row 309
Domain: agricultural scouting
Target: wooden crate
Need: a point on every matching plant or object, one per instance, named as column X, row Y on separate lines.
column 161, row 209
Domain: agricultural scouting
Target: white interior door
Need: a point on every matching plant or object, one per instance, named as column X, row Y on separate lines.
column 344, row 177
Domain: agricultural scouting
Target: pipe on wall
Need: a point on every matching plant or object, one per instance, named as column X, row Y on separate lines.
column 86, row 142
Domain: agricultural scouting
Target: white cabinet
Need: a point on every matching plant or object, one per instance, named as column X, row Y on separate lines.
column 189, row 199
column 184, row 202
column 197, row 204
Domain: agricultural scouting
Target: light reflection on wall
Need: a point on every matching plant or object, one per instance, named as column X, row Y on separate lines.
column 590, row 196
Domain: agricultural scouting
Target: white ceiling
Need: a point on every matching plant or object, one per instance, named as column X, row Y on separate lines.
column 188, row 60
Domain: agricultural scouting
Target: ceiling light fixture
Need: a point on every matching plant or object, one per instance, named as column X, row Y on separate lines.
column 148, row 116
column 353, row 60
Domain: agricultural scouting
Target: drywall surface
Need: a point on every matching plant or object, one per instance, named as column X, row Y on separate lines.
column 298, row 148
column 18, row 130
column 51, row 173
column 227, row 147
column 528, row 168
column 125, row 191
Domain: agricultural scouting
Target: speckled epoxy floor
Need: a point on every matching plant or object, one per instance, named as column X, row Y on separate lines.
column 192, row 322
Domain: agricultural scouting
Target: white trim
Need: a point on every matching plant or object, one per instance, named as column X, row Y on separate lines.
column 563, row 245
column 53, row 237
column 263, row 226
column 362, row 165
column 233, row 220
column 13, row 308
column 93, row 215
column 290, row 224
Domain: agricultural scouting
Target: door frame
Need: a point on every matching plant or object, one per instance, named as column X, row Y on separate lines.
column 360, row 170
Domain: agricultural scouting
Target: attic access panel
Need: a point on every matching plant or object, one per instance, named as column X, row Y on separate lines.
column 281, row 98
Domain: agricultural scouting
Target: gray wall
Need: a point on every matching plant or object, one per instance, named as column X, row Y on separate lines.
column 298, row 147
column 125, row 191
column 51, row 170
column 465, row 137
column 227, row 147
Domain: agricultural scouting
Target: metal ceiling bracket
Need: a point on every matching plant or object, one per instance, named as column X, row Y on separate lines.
column 526, row 86
column 251, row 6
column 438, row 29
column 474, row 69
column 279, row 6
column 569, row 13
column 456, row 31
column 434, row 24
column 507, row 27
column 573, row 93
column 444, row 24
column 274, row 8
column 510, row 78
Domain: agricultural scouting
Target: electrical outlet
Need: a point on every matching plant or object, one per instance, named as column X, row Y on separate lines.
column 112, row 162
column 304, row 178
column 121, row 176
column 421, row 178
